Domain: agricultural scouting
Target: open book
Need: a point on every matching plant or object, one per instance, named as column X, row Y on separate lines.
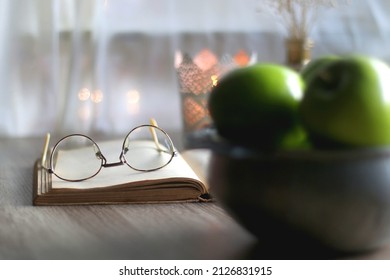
column 182, row 180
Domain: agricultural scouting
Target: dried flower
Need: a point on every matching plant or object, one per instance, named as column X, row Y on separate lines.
column 298, row 16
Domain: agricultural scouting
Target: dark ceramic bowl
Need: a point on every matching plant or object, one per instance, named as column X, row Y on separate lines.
column 311, row 200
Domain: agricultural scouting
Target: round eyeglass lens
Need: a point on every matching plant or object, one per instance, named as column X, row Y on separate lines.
column 147, row 148
column 76, row 158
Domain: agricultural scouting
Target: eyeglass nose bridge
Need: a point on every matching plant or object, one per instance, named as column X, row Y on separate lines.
column 111, row 164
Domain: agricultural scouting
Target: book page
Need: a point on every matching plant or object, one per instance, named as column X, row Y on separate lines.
column 117, row 175
column 199, row 160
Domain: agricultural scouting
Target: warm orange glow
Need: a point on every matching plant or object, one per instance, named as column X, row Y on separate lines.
column 193, row 111
column 198, row 76
column 242, row 58
column 97, row 96
column 84, row 94
column 205, row 59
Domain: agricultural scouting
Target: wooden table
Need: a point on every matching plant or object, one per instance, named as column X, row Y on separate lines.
column 163, row 231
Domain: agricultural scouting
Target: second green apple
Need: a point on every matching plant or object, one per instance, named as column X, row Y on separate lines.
column 347, row 103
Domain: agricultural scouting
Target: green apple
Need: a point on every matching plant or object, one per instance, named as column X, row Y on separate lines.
column 315, row 65
column 257, row 105
column 295, row 138
column 347, row 103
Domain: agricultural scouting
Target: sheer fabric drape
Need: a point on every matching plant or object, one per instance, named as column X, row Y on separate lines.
column 105, row 66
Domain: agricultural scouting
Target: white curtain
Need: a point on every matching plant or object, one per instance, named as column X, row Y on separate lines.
column 105, row 66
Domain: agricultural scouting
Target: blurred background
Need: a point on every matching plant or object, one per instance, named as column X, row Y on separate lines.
column 105, row 66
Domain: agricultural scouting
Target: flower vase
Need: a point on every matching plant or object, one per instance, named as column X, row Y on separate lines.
column 298, row 52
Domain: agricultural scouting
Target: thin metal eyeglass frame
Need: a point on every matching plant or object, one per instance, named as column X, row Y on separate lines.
column 122, row 158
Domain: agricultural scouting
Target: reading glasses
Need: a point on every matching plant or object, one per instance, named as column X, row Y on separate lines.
column 77, row 157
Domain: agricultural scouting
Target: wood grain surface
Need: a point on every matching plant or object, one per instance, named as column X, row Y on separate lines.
column 142, row 231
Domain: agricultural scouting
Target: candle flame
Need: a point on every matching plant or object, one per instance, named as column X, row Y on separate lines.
column 84, row 94
column 97, row 96
column 214, row 80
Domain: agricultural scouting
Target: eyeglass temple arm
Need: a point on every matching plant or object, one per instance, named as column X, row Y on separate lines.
column 45, row 149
